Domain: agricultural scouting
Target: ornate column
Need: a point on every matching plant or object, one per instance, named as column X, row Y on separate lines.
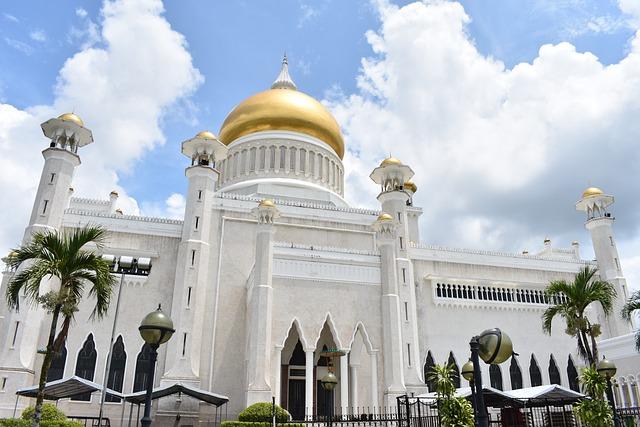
column 353, row 377
column 375, row 403
column 259, row 302
column 344, row 384
column 277, row 374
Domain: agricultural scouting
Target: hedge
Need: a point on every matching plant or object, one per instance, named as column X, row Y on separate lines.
column 49, row 413
column 18, row 422
column 257, row 424
column 261, row 413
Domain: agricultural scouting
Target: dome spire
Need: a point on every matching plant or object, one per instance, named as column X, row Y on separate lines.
column 284, row 80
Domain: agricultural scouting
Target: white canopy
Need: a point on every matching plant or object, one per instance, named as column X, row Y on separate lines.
column 167, row 390
column 64, row 388
column 545, row 393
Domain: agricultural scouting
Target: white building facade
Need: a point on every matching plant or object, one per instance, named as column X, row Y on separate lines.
column 271, row 265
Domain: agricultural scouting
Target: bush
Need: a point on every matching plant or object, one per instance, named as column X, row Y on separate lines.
column 19, row 422
column 14, row 422
column 252, row 424
column 261, row 413
column 49, row 413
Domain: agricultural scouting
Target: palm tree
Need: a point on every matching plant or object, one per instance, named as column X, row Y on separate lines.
column 53, row 256
column 633, row 304
column 453, row 411
column 570, row 301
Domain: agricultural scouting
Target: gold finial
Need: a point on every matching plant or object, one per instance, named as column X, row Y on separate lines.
column 205, row 134
column 390, row 161
column 385, row 217
column 71, row 117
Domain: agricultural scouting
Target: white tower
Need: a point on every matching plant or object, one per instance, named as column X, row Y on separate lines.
column 19, row 344
column 399, row 300
column 192, row 287
column 600, row 224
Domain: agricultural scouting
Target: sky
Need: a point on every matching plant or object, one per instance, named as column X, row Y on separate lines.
column 505, row 110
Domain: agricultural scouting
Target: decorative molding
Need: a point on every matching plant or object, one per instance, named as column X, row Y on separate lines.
column 323, row 271
column 502, row 254
column 324, row 248
column 87, row 201
column 159, row 220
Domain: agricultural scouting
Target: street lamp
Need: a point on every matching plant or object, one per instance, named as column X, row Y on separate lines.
column 329, row 381
column 494, row 347
column 156, row 328
column 467, row 374
column 120, row 265
column 607, row 369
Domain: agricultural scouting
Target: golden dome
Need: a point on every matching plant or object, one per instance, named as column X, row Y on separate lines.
column 283, row 109
column 390, row 161
column 205, row 134
column 409, row 185
column 267, row 203
column 385, row 217
column 70, row 117
column 591, row 191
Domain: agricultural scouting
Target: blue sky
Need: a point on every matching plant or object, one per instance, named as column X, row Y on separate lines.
column 231, row 50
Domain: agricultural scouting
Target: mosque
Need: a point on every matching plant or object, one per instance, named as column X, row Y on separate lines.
column 270, row 266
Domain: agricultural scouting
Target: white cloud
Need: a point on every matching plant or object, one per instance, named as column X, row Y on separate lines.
column 38, row 35
column 173, row 207
column 10, row 17
column 631, row 8
column 500, row 154
column 81, row 12
column 19, row 45
column 307, row 12
column 121, row 90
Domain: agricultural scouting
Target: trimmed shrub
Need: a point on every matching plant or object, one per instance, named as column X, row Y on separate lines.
column 252, row 424
column 49, row 413
column 261, row 413
column 14, row 422
column 19, row 422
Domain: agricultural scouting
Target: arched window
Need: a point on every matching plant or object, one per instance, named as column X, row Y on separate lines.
column 303, row 160
column 572, row 374
column 534, row 372
column 298, row 357
column 554, row 374
column 86, row 365
column 428, row 366
column 272, row 158
column 292, row 159
column 516, row 374
column 116, row 370
column 56, row 370
column 455, row 375
column 142, row 368
column 495, row 376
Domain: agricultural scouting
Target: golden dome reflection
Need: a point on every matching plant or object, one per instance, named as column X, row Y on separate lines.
column 591, row 191
column 385, row 217
column 71, row 117
column 267, row 203
column 409, row 185
column 283, row 109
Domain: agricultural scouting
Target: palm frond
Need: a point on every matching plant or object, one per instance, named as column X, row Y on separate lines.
column 632, row 304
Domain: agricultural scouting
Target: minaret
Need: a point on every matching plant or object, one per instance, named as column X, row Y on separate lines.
column 192, row 271
column 67, row 133
column 19, row 345
column 259, row 303
column 398, row 288
column 600, row 224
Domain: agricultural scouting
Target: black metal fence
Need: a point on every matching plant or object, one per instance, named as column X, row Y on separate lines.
column 629, row 417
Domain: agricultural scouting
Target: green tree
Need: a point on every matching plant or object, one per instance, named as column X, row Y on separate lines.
column 594, row 412
column 570, row 301
column 453, row 411
column 633, row 304
column 53, row 256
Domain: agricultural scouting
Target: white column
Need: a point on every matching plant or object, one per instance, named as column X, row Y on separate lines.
column 308, row 383
column 353, row 377
column 277, row 374
column 374, row 381
column 344, row 384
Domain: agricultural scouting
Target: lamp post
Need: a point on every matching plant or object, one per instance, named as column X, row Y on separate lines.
column 494, row 347
column 121, row 265
column 156, row 328
column 467, row 374
column 608, row 369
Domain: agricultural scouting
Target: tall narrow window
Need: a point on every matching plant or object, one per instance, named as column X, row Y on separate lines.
column 611, row 240
column 516, row 374
column 15, row 334
column 184, row 344
column 401, row 243
column 292, row 159
column 406, row 311
column 142, row 368
column 303, row 160
column 495, row 376
column 534, row 372
column 4, row 383
column 189, row 297
column 199, row 194
column 554, row 373
column 312, row 164
column 399, row 217
column 283, row 154
column 197, row 223
column 252, row 159
column 408, row 354
column 193, row 256
column 56, row 370
column 44, row 207
column 404, row 275
column 272, row 158
column 455, row 374
column 572, row 374
column 617, row 263
column 115, row 380
column 86, row 365
column 53, row 177
column 261, row 158
column 428, row 367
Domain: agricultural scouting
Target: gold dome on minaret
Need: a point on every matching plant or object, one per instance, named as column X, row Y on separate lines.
column 71, row 117
column 591, row 191
column 283, row 108
column 205, row 134
column 389, row 161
